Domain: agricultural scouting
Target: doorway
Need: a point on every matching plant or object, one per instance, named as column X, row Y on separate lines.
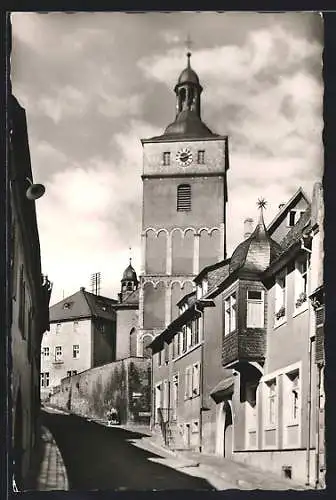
column 188, row 431
column 18, row 444
column 228, row 430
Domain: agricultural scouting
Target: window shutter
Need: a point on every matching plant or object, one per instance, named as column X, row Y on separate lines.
column 184, row 198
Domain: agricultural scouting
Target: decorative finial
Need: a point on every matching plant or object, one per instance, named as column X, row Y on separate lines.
column 189, row 43
column 261, row 203
column 130, row 258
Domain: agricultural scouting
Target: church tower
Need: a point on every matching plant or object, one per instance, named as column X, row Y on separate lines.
column 184, row 207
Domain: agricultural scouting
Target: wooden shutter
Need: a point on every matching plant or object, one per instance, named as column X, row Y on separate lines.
column 183, row 198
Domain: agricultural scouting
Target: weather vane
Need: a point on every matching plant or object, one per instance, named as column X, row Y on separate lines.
column 261, row 203
column 188, row 43
column 130, row 258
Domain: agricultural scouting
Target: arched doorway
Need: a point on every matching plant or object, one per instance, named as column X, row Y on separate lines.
column 18, row 444
column 228, row 430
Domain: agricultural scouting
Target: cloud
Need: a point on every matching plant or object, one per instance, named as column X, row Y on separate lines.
column 90, row 95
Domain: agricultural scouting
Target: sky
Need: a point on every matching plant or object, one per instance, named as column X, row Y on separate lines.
column 94, row 84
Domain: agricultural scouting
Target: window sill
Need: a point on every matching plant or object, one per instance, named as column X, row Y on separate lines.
column 270, row 427
column 301, row 309
column 280, row 322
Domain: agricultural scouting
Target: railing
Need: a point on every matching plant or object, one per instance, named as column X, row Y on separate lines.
column 163, row 417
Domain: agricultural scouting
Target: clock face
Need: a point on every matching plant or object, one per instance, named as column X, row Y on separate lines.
column 184, row 157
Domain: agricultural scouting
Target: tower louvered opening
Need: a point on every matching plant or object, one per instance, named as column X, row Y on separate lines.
column 184, row 198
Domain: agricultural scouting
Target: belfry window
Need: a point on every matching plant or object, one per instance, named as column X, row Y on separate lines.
column 166, row 158
column 184, row 198
column 200, row 157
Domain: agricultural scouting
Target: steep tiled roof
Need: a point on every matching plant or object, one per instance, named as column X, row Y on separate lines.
column 256, row 252
column 296, row 232
column 82, row 304
column 132, row 298
column 217, row 275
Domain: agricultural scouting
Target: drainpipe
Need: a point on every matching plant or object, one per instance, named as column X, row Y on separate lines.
column 202, row 381
column 309, row 414
column 317, row 428
column 309, row 251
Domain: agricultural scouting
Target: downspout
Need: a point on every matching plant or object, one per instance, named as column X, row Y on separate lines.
column 308, row 250
column 309, row 414
column 202, row 381
column 317, row 428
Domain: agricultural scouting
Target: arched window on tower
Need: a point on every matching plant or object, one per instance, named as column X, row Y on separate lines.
column 133, row 342
column 146, row 351
column 129, row 287
column 183, row 198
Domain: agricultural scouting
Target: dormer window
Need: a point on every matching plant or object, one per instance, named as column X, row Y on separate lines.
column 166, row 158
column 294, row 216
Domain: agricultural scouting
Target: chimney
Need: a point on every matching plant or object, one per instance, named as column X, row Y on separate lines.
column 248, row 227
column 281, row 206
column 82, row 288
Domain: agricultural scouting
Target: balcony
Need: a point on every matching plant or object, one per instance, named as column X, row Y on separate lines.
column 58, row 361
column 246, row 345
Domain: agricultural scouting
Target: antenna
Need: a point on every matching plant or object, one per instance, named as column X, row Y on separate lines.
column 95, row 283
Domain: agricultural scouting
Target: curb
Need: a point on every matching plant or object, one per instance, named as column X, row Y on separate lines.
column 52, row 474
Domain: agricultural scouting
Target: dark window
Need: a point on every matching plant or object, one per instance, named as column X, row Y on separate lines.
column 159, row 358
column 200, row 157
column 292, row 217
column 166, row 158
column 184, row 338
column 166, row 351
column 22, row 304
column 129, row 286
column 184, row 198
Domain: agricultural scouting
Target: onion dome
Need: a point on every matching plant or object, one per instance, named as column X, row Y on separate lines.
column 188, row 124
column 129, row 273
column 257, row 252
column 188, row 75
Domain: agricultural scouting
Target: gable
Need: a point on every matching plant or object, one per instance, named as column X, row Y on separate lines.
column 284, row 220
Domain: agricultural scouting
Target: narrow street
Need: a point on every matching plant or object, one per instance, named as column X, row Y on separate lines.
column 98, row 457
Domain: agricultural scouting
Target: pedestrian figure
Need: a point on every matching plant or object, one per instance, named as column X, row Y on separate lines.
column 112, row 416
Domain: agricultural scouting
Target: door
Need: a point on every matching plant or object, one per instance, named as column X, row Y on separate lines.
column 188, row 435
column 228, row 431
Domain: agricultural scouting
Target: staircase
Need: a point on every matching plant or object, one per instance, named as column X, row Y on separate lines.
column 170, row 433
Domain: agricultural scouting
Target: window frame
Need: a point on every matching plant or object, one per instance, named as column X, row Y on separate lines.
column 45, row 379
column 196, row 374
column 201, row 157
column 232, row 307
column 188, row 382
column 166, row 158
column 301, row 295
column 75, row 350
column 44, row 350
column 260, row 301
column 280, row 311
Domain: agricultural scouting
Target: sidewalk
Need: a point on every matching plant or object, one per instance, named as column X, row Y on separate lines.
column 229, row 474
column 52, row 474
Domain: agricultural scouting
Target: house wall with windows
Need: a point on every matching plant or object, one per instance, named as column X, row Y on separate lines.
column 66, row 347
column 28, row 307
